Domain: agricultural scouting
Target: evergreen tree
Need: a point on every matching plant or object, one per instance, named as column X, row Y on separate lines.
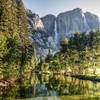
column 8, row 33
column 16, row 48
column 92, row 48
column 96, row 50
column 23, row 31
column 49, row 56
column 13, row 21
column 3, row 51
column 27, row 48
column 64, row 45
column 5, row 17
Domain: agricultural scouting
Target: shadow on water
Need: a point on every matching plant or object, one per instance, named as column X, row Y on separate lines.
column 45, row 87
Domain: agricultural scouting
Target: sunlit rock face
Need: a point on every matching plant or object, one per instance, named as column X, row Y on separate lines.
column 35, row 21
column 49, row 30
column 41, row 38
column 67, row 23
column 49, row 24
column 92, row 20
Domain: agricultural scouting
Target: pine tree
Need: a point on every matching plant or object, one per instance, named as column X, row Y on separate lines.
column 64, row 45
column 5, row 17
column 28, row 53
column 22, row 23
column 3, row 51
column 23, row 31
column 16, row 49
column 8, row 33
column 49, row 56
column 96, row 50
column 13, row 22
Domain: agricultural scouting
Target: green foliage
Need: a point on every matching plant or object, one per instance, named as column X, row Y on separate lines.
column 49, row 56
column 78, row 54
column 17, row 53
column 64, row 45
column 44, row 66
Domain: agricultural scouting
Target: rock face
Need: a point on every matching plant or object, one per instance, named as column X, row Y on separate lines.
column 92, row 20
column 42, row 36
column 48, row 22
column 35, row 22
column 49, row 30
column 67, row 23
column 43, row 41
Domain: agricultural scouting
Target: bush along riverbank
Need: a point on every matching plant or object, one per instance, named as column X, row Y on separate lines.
column 83, row 77
column 79, row 55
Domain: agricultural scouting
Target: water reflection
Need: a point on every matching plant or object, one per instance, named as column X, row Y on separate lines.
column 45, row 87
column 64, row 98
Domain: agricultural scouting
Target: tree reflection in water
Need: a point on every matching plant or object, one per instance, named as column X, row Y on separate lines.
column 59, row 86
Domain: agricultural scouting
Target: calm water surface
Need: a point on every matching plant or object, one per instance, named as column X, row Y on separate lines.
column 45, row 87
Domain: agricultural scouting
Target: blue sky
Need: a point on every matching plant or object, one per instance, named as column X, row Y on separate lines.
column 44, row 7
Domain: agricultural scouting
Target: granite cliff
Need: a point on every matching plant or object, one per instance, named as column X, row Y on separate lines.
column 67, row 23
column 49, row 30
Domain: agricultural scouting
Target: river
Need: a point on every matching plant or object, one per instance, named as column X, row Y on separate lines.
column 48, row 87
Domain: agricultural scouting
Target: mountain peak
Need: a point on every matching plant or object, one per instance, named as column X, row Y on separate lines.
column 77, row 9
column 74, row 11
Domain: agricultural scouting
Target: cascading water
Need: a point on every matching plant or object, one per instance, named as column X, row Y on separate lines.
column 56, row 33
column 83, row 16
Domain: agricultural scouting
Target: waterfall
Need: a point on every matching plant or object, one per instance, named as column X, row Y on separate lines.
column 56, row 33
